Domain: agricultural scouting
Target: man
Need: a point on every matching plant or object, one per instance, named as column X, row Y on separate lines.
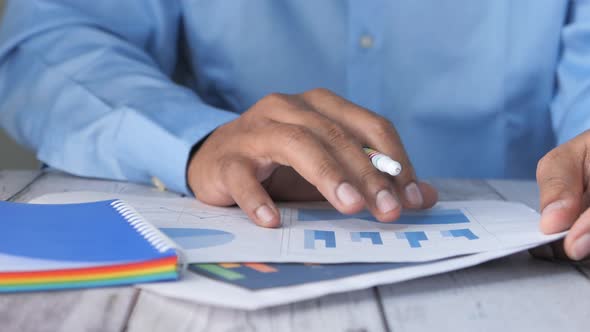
column 222, row 98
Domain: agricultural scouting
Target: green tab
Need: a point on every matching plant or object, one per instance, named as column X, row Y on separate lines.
column 221, row 272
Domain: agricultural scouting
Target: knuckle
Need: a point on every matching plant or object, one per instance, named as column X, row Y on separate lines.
column 275, row 97
column 546, row 163
column 295, row 135
column 325, row 169
column 553, row 182
column 337, row 135
column 272, row 101
column 317, row 92
column 370, row 177
column 382, row 128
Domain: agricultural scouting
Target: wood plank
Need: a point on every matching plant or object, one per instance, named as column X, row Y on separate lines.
column 54, row 181
column 455, row 190
column 513, row 293
column 360, row 307
column 526, row 192
column 354, row 311
column 13, row 181
column 105, row 309
column 87, row 310
column 518, row 293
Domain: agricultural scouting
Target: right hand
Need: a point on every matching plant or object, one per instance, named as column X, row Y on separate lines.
column 303, row 147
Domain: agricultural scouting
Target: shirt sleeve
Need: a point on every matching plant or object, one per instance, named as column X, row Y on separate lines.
column 86, row 84
column 570, row 109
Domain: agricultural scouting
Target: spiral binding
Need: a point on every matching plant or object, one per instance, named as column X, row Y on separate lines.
column 158, row 240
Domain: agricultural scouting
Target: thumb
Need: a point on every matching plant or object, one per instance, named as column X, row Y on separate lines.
column 560, row 178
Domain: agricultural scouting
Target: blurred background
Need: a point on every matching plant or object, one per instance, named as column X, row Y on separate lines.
column 11, row 154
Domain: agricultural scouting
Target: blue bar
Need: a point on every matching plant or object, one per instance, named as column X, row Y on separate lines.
column 311, row 236
column 413, row 238
column 430, row 217
column 465, row 232
column 375, row 237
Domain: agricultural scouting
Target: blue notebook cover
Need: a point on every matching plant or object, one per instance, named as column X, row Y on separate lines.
column 106, row 231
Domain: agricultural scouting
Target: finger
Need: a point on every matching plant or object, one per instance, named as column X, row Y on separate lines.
column 560, row 178
column 239, row 178
column 379, row 195
column 374, row 131
column 577, row 241
column 429, row 194
column 550, row 251
column 298, row 147
column 285, row 184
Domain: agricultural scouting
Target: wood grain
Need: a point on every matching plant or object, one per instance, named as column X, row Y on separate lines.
column 515, row 293
column 12, row 182
column 53, row 182
column 527, row 192
column 354, row 311
column 105, row 309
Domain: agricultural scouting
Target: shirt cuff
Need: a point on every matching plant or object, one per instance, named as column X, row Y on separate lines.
column 151, row 150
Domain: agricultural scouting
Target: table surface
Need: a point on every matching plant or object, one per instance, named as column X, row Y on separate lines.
column 516, row 293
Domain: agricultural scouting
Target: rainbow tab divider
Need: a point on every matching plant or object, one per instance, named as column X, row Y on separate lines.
column 49, row 247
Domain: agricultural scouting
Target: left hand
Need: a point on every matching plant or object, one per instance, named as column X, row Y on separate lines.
column 563, row 176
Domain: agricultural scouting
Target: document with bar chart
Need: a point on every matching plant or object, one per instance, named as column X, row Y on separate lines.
column 317, row 233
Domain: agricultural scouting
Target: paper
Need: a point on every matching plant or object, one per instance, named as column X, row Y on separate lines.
column 316, row 233
column 202, row 289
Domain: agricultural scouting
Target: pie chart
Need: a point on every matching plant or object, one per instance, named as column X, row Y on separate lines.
column 198, row 238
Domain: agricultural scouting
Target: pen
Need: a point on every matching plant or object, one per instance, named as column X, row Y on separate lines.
column 383, row 162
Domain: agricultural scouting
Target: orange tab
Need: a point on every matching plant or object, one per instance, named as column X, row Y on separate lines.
column 263, row 268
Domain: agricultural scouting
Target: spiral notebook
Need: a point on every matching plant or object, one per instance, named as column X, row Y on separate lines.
column 59, row 246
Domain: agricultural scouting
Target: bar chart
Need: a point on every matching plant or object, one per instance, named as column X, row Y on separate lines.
column 428, row 217
column 327, row 238
column 198, row 238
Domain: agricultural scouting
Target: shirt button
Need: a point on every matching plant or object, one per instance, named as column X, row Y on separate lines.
column 366, row 41
column 158, row 184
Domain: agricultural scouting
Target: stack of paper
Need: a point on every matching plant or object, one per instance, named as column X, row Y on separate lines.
column 283, row 264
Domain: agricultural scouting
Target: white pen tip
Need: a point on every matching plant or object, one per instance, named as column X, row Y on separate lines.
column 394, row 168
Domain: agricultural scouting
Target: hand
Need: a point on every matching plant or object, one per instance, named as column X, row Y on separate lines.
column 563, row 178
column 305, row 147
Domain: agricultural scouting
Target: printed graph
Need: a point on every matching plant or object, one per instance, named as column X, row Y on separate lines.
column 428, row 217
column 258, row 276
column 327, row 238
column 464, row 232
column 198, row 238
column 373, row 237
column 414, row 238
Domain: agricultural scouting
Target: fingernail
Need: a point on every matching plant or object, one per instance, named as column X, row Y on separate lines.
column 581, row 247
column 413, row 194
column 265, row 214
column 550, row 209
column 347, row 195
column 386, row 202
column 553, row 207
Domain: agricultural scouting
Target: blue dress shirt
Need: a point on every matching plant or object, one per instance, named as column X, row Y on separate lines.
column 124, row 89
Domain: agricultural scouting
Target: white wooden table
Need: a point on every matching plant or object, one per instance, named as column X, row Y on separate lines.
column 517, row 293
